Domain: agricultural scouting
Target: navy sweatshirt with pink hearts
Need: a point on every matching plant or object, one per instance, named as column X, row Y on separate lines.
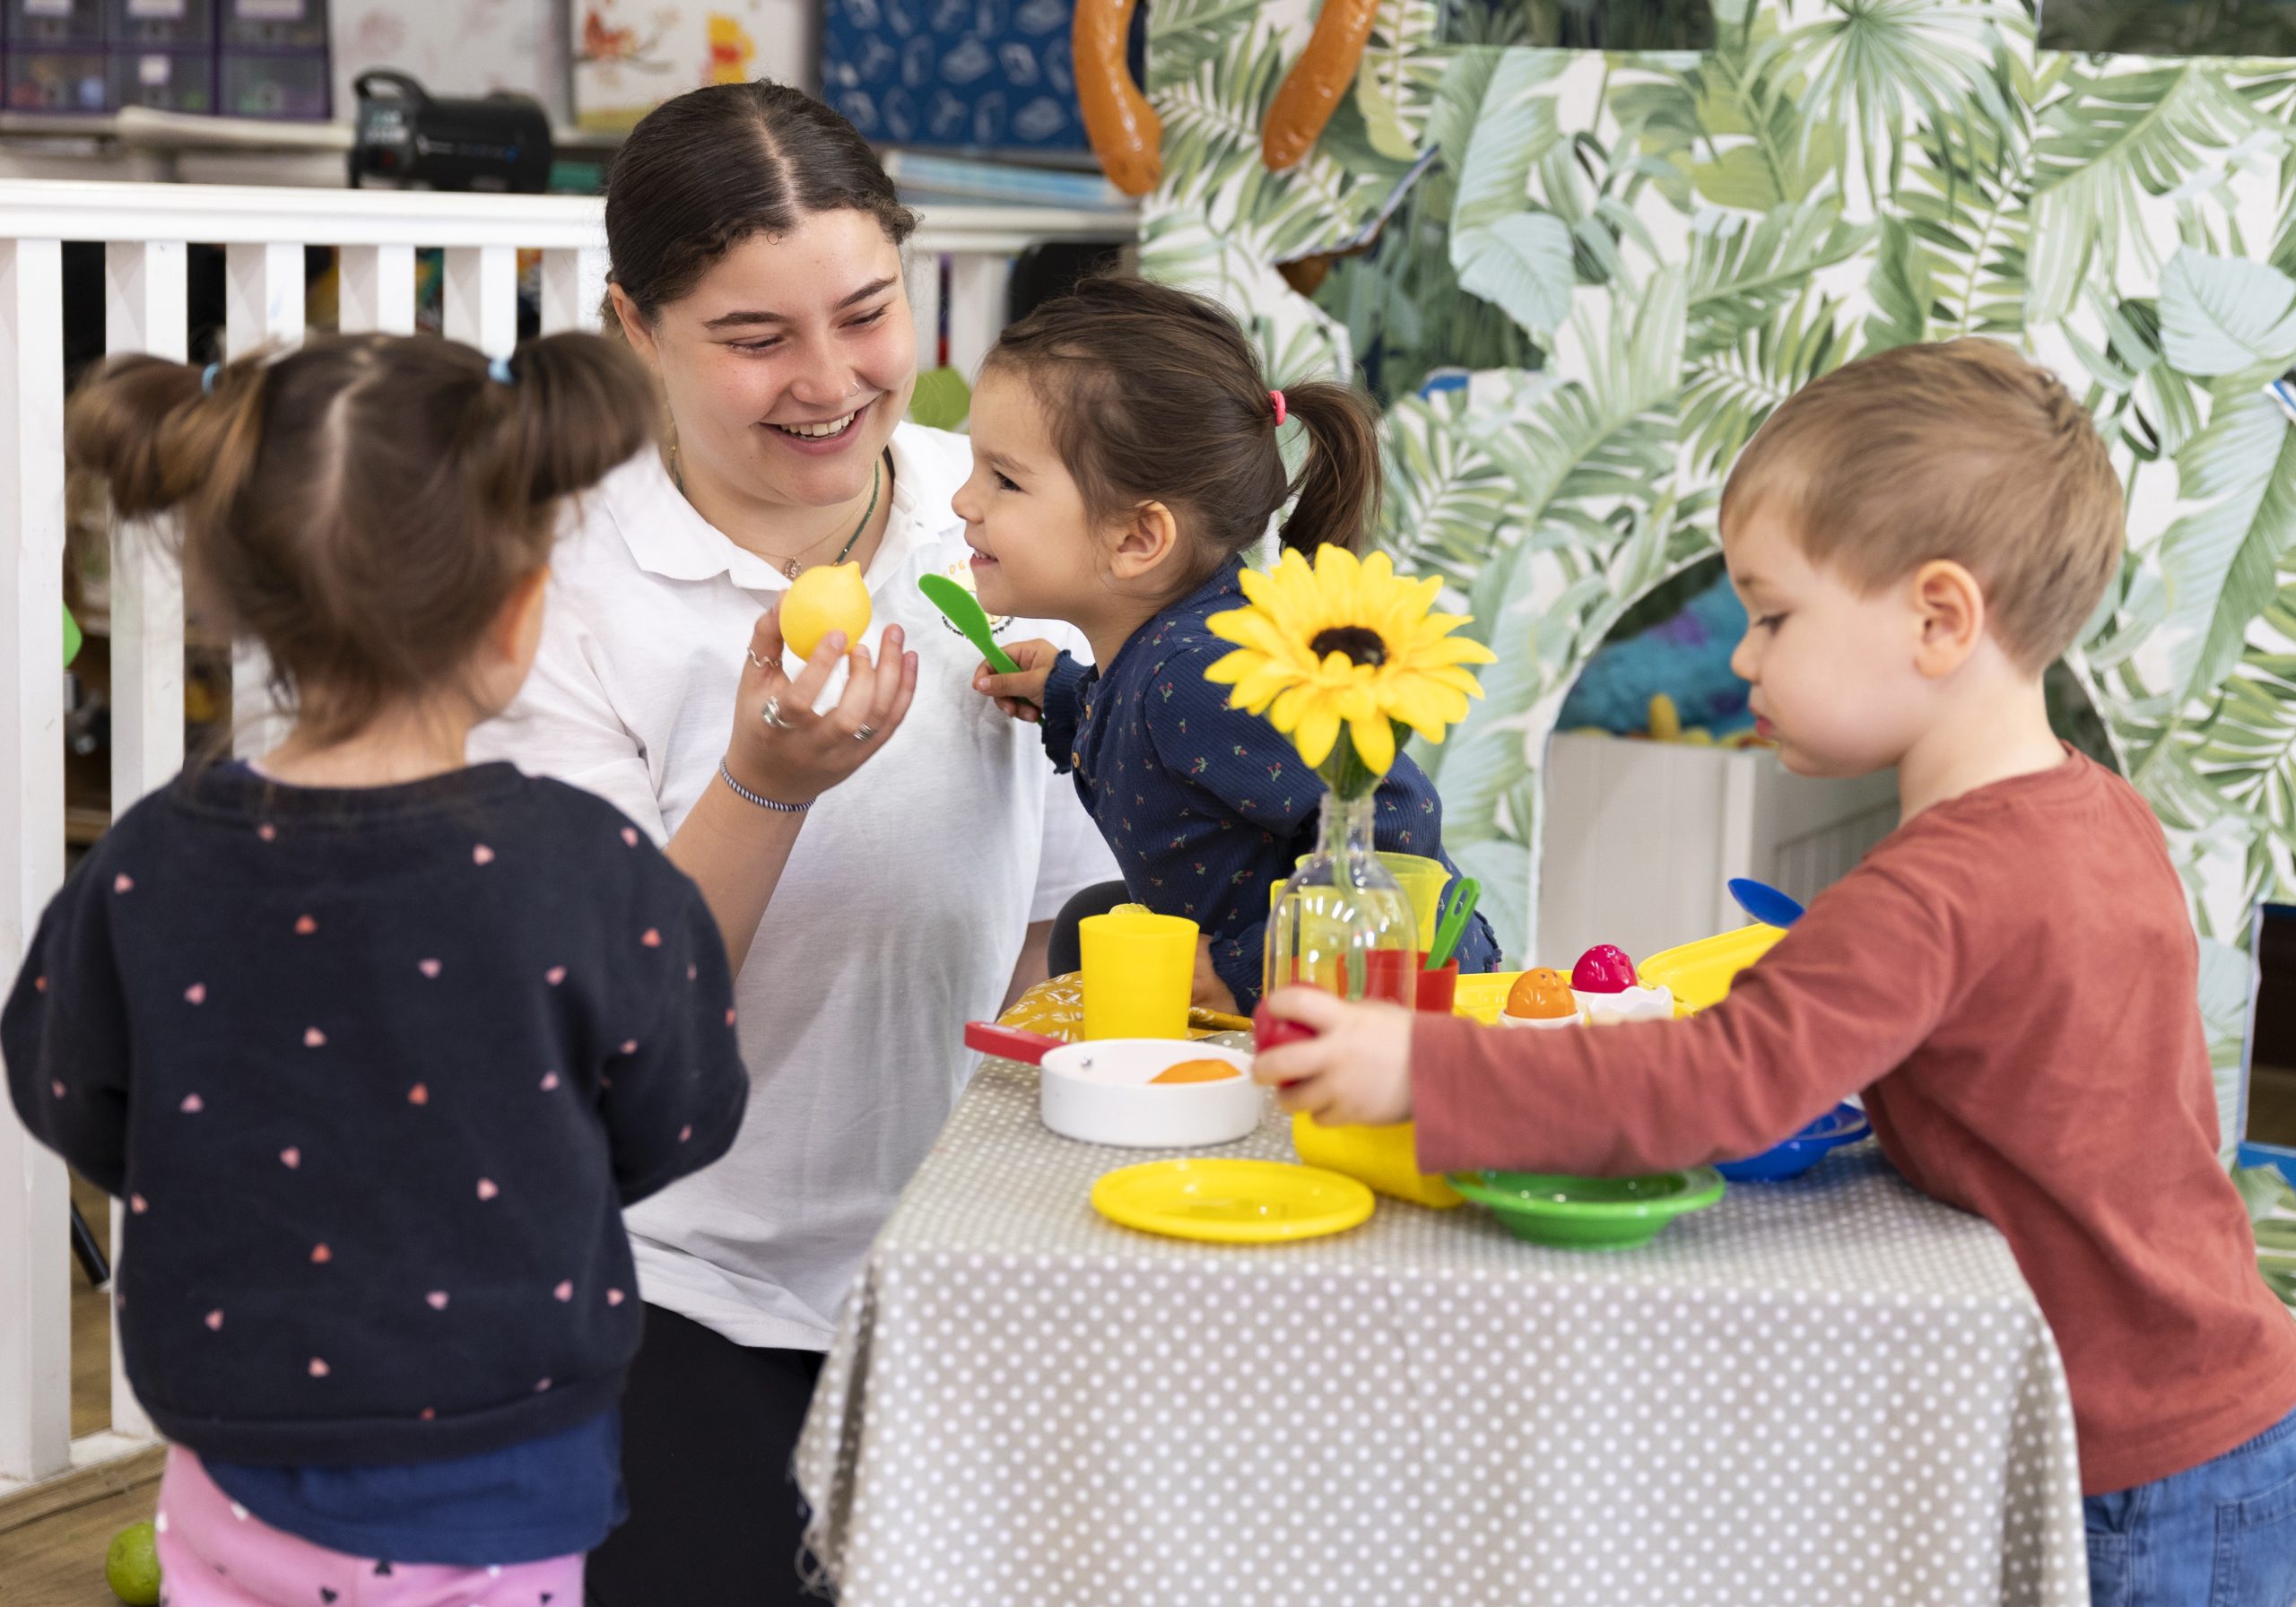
column 375, row 1071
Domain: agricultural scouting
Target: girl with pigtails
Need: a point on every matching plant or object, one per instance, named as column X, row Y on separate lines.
column 376, row 1044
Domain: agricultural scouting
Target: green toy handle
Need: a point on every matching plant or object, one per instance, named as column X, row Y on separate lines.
column 964, row 611
column 1466, row 894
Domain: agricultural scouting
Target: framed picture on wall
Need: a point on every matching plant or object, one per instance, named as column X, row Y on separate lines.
column 994, row 78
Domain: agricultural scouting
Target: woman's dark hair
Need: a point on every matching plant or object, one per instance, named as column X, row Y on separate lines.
column 364, row 505
column 704, row 172
column 1154, row 394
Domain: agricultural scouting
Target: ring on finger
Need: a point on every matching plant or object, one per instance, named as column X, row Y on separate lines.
column 865, row 733
column 771, row 713
column 754, row 658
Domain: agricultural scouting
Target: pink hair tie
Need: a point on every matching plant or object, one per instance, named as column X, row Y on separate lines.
column 1277, row 397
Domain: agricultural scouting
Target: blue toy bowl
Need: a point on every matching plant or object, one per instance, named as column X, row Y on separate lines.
column 1843, row 1124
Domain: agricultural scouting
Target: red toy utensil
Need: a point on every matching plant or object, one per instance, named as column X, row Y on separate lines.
column 1029, row 1049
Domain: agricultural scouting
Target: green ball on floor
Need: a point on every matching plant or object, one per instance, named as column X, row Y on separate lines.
column 132, row 1565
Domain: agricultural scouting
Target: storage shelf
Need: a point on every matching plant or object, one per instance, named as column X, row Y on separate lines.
column 140, row 127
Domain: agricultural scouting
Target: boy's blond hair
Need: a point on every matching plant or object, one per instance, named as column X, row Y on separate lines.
column 1961, row 451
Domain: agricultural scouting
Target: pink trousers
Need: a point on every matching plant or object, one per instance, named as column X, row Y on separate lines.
column 213, row 1554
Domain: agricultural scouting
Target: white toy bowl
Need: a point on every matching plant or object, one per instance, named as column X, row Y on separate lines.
column 1099, row 1092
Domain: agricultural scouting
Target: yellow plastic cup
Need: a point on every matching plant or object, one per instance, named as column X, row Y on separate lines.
column 1139, row 972
column 1422, row 882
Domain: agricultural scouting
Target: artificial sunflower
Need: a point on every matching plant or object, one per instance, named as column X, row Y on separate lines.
column 1346, row 643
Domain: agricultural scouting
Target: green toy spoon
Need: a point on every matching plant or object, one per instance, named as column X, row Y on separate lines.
column 964, row 611
column 1458, row 909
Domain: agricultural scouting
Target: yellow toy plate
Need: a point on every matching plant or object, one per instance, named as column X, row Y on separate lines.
column 1231, row 1202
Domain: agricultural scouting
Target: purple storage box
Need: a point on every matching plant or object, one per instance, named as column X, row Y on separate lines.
column 276, row 85
column 180, row 81
column 58, row 80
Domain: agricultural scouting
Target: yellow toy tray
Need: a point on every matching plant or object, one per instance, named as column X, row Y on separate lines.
column 1228, row 1200
column 1483, row 996
column 1699, row 973
column 1056, row 1008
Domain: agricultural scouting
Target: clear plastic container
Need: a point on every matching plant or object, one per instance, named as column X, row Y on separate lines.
column 59, row 80
column 1342, row 922
column 274, row 86
column 274, row 24
column 164, row 79
column 39, row 24
column 161, row 25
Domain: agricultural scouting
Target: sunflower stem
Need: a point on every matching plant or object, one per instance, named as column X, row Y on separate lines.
column 1343, row 770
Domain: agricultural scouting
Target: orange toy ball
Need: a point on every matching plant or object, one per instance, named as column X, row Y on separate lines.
column 1198, row 1070
column 1542, row 996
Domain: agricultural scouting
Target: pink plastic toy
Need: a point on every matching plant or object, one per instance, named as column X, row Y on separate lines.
column 1603, row 969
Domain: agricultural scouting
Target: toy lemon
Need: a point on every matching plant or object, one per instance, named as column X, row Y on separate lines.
column 829, row 598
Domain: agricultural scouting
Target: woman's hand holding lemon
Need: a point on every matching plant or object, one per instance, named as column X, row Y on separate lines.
column 781, row 749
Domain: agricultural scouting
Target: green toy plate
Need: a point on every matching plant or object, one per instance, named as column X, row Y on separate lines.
column 1590, row 1213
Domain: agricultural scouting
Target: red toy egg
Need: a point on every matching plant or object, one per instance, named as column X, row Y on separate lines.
column 1603, row 969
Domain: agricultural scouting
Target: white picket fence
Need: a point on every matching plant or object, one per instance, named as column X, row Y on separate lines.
column 964, row 254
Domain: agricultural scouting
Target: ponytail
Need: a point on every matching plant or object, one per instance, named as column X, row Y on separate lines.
column 559, row 416
column 159, row 434
column 1338, row 485
column 362, row 506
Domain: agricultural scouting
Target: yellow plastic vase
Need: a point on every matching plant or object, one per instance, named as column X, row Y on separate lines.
column 831, row 597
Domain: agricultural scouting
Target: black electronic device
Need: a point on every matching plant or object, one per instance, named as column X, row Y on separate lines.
column 407, row 136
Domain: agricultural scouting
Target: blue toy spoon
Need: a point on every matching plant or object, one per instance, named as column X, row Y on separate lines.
column 1764, row 902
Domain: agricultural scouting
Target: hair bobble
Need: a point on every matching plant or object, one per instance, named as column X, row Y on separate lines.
column 498, row 372
column 1277, row 397
column 207, row 378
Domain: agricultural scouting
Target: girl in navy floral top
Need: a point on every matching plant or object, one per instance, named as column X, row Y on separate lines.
column 1124, row 459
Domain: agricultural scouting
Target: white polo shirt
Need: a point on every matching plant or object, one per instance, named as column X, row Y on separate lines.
column 900, row 915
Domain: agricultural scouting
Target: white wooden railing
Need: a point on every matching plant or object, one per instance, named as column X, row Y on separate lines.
column 961, row 254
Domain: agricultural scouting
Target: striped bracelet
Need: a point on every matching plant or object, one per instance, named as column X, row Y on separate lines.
column 743, row 793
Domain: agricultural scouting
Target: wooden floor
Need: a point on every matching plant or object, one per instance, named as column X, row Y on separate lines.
column 58, row 1560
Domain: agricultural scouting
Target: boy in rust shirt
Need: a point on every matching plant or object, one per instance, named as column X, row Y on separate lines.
column 2009, row 979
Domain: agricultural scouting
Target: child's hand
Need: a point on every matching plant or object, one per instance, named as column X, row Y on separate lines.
column 1357, row 1069
column 1020, row 696
column 1210, row 992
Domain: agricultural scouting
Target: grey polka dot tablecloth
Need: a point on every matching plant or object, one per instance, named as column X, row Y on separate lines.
column 1831, row 1390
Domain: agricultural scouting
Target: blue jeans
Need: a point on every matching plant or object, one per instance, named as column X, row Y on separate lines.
column 2221, row 1534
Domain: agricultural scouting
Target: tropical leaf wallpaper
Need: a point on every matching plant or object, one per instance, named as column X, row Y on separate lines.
column 1579, row 281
